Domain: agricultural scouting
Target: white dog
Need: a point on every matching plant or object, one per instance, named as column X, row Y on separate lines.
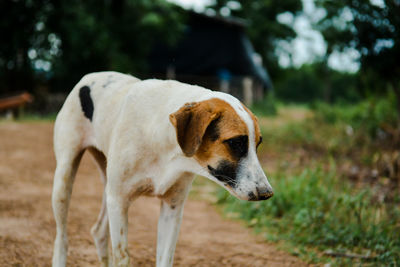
column 150, row 138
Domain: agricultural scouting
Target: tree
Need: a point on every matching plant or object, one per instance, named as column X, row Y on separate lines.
column 372, row 29
column 104, row 35
column 56, row 42
column 18, row 21
column 263, row 27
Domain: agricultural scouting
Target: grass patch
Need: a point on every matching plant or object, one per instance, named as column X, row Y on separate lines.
column 32, row 117
column 316, row 208
column 372, row 115
column 313, row 136
column 38, row 117
column 265, row 107
column 314, row 212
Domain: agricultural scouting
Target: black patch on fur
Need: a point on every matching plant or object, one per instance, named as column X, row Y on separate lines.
column 252, row 197
column 225, row 172
column 213, row 130
column 238, row 146
column 86, row 102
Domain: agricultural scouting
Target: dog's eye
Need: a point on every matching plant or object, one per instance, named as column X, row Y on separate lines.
column 238, row 145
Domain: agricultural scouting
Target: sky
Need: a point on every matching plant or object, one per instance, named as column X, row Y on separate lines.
column 309, row 44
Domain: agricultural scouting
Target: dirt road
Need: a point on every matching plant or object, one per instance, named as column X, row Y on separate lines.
column 27, row 228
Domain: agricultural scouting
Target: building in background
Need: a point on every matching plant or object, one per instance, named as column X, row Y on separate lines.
column 214, row 52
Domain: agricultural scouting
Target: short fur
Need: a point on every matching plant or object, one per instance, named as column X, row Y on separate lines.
column 150, row 138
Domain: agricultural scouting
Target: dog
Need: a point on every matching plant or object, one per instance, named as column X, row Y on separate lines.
column 149, row 138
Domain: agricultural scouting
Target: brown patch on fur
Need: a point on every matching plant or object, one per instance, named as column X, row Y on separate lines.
column 143, row 188
column 123, row 252
column 229, row 125
column 176, row 193
column 256, row 125
column 191, row 123
column 141, row 164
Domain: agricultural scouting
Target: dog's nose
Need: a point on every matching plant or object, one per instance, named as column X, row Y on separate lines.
column 263, row 193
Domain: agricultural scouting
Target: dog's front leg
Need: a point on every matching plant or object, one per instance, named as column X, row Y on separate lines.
column 117, row 209
column 170, row 219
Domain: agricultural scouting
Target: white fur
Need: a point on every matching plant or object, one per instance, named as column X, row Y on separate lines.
column 131, row 127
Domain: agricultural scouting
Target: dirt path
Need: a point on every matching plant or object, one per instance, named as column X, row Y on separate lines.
column 27, row 228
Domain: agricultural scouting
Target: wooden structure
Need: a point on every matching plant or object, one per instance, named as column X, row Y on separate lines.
column 15, row 103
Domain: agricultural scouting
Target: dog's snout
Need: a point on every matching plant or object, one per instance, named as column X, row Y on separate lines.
column 263, row 193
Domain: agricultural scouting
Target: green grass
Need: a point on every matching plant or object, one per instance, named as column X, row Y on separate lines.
column 316, row 208
column 315, row 211
column 33, row 117
column 370, row 115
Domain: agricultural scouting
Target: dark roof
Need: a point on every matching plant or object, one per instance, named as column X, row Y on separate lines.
column 227, row 21
column 210, row 44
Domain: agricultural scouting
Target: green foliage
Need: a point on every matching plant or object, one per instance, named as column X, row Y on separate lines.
column 115, row 35
column 57, row 42
column 316, row 209
column 370, row 115
column 265, row 107
column 34, row 117
column 18, row 20
column 300, row 85
column 316, row 82
column 311, row 135
column 263, row 28
column 372, row 28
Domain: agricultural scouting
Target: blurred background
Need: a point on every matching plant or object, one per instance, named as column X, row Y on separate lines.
column 322, row 76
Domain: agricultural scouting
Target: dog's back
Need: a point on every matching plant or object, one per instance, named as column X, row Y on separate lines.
column 93, row 87
column 95, row 104
column 93, row 90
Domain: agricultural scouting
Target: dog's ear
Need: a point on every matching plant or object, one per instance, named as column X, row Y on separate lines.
column 191, row 122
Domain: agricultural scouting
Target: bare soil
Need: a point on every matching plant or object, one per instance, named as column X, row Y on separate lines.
column 27, row 227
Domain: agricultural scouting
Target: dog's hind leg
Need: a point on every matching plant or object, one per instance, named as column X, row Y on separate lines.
column 99, row 230
column 117, row 209
column 67, row 165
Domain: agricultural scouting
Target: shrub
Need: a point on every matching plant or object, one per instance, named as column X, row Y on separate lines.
column 265, row 107
column 370, row 115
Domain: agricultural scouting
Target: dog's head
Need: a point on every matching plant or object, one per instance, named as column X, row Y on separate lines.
column 222, row 136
